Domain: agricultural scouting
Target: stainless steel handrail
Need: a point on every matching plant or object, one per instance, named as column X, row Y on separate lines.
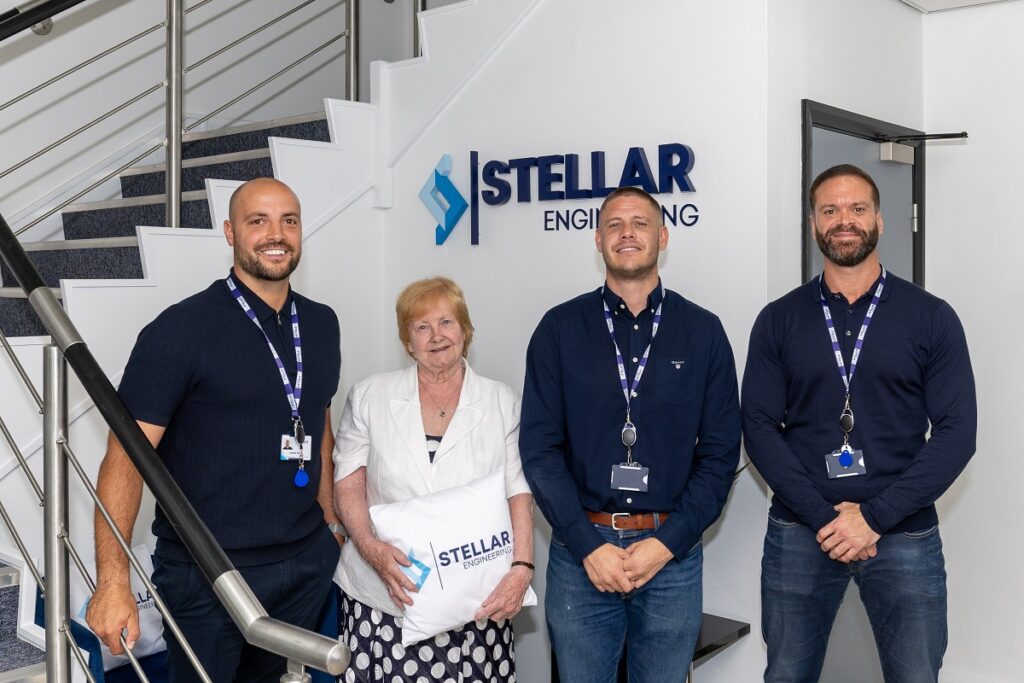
column 262, row 83
column 417, row 7
column 21, row 372
column 352, row 50
column 134, row 561
column 247, row 36
column 21, row 460
column 55, row 514
column 174, row 109
column 81, row 129
column 80, row 65
column 74, row 198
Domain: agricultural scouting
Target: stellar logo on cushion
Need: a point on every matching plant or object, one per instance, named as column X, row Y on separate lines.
column 477, row 552
column 418, row 572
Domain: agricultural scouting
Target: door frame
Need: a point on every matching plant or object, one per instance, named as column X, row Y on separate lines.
column 827, row 117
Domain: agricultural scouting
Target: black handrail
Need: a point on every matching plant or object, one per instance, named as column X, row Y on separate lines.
column 16, row 20
column 209, row 556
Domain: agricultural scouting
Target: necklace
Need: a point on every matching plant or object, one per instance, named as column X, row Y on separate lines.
column 442, row 407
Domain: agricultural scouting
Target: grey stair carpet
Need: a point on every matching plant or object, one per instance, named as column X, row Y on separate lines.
column 14, row 653
column 17, row 319
column 121, row 221
column 115, row 262
column 194, row 177
column 254, row 139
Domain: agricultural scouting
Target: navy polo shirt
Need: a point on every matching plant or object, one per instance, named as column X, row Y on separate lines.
column 913, row 373
column 203, row 371
column 686, row 413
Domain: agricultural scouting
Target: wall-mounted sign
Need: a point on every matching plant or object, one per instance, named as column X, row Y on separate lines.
column 558, row 178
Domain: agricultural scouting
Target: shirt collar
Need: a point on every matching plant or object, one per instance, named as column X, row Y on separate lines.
column 263, row 311
column 614, row 301
column 820, row 289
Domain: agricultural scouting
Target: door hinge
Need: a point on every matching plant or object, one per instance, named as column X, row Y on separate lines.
column 913, row 217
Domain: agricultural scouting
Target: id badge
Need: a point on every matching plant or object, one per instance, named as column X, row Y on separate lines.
column 290, row 449
column 845, row 462
column 627, row 477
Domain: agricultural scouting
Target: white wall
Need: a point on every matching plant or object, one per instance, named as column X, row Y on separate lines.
column 972, row 68
column 586, row 75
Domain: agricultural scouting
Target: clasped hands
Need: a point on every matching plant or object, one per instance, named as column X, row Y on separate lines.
column 848, row 537
column 620, row 570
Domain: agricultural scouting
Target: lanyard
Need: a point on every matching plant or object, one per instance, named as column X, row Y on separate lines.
column 630, row 390
column 848, row 379
column 294, row 395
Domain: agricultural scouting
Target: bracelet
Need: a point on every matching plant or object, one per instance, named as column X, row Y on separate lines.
column 522, row 563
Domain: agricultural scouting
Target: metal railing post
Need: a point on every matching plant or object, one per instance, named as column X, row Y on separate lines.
column 417, row 7
column 175, row 21
column 352, row 50
column 55, row 515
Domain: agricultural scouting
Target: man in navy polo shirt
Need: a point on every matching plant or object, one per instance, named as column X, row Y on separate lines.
column 845, row 376
column 205, row 384
column 630, row 436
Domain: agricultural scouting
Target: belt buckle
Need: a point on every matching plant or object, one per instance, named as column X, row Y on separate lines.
column 618, row 514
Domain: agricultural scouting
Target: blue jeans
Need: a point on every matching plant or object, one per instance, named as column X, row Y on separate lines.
column 658, row 623
column 292, row 590
column 903, row 589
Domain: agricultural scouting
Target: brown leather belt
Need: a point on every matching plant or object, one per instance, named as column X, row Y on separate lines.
column 627, row 521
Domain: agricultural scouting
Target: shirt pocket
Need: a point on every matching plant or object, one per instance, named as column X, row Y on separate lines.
column 676, row 379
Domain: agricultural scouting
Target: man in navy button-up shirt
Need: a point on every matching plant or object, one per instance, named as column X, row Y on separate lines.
column 625, row 559
column 870, row 515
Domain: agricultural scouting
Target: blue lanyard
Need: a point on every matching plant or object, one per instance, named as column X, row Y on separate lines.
column 848, row 378
column 294, row 395
column 630, row 390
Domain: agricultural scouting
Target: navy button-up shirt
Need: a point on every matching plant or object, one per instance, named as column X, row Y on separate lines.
column 913, row 374
column 686, row 414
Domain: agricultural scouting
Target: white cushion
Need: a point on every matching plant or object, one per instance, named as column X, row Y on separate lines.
column 460, row 541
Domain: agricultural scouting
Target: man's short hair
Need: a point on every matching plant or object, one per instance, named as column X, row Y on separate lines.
column 838, row 172
column 632, row 191
column 418, row 297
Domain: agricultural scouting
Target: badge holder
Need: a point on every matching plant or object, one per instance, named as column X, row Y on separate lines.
column 629, row 475
column 297, row 446
column 845, row 462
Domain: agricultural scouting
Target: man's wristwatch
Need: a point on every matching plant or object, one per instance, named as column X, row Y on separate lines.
column 338, row 528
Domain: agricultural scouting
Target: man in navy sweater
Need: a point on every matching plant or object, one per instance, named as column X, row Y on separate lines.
column 845, row 377
column 630, row 436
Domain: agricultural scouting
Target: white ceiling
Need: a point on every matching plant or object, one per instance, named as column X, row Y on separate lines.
column 927, row 6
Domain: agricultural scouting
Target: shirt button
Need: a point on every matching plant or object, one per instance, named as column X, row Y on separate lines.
column 634, row 359
column 629, row 500
column 848, row 333
column 636, row 327
column 633, row 394
column 622, row 305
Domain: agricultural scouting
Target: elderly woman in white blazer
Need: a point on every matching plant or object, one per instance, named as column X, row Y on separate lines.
column 429, row 427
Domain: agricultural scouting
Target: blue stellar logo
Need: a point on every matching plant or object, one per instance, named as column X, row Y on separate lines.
column 444, row 201
column 418, row 572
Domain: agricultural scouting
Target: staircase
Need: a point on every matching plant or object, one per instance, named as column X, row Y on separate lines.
column 113, row 275
column 100, row 237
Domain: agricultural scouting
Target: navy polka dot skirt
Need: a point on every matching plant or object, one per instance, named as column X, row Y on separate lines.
column 480, row 652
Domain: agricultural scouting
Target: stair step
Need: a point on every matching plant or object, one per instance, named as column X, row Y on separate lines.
column 28, row 674
column 108, row 258
column 15, row 654
column 254, row 136
column 119, row 217
column 148, row 180
column 17, row 318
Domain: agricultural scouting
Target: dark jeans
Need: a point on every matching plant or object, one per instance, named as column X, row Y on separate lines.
column 903, row 589
column 293, row 590
column 658, row 622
